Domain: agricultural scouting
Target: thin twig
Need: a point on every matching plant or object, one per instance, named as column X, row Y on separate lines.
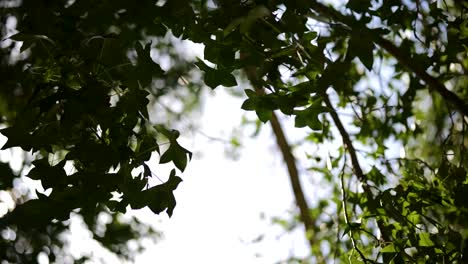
column 354, row 160
column 433, row 84
column 415, row 23
column 345, row 211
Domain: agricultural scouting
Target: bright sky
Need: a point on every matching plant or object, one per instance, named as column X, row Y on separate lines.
column 220, row 200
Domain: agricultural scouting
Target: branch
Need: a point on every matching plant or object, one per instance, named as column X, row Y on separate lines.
column 431, row 81
column 412, row 65
column 348, row 144
column 345, row 209
column 347, row 141
column 290, row 161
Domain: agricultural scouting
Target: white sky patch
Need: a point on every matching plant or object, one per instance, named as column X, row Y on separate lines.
column 220, row 200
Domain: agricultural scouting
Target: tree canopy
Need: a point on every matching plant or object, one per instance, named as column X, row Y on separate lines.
column 380, row 85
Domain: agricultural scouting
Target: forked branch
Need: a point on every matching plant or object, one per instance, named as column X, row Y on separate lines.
column 412, row 65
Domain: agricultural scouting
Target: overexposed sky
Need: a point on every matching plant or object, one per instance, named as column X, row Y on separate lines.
column 220, row 201
column 222, row 204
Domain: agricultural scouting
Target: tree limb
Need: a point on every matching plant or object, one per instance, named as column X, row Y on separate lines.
column 290, row 161
column 412, row 65
column 348, row 144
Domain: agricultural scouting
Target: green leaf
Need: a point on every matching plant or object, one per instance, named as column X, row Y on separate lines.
column 309, row 116
column 17, row 137
column 31, row 214
column 250, row 93
column 264, row 114
column 425, row 240
column 7, row 176
column 346, row 231
column 30, row 39
column 232, row 26
column 376, row 176
column 361, row 45
column 254, row 14
column 172, row 134
column 249, row 104
column 147, row 146
column 214, row 77
column 359, row 5
column 309, row 36
column 146, row 67
column 288, row 51
column 50, row 176
column 159, row 197
column 177, row 154
column 389, row 249
column 146, row 171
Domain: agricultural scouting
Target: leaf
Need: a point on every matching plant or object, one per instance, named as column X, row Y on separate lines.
column 214, row 77
column 362, row 46
column 146, row 171
column 309, row 117
column 309, row 36
column 359, row 5
column 376, row 176
column 346, row 231
column 159, row 197
column 254, row 14
column 147, row 146
column 146, row 67
column 177, row 154
column 135, row 101
column 31, row 214
column 6, row 176
column 232, row 26
column 293, row 22
column 14, row 139
column 25, row 37
column 219, row 54
column 50, row 176
column 351, row 227
column 425, row 240
column 288, row 51
column 169, row 134
column 18, row 136
column 264, row 114
column 250, row 104
column 30, row 39
column 389, row 249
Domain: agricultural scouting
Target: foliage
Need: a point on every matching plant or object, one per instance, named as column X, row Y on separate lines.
column 377, row 74
column 385, row 208
column 77, row 98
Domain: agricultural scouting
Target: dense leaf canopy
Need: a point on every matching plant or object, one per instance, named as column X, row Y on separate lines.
column 363, row 77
